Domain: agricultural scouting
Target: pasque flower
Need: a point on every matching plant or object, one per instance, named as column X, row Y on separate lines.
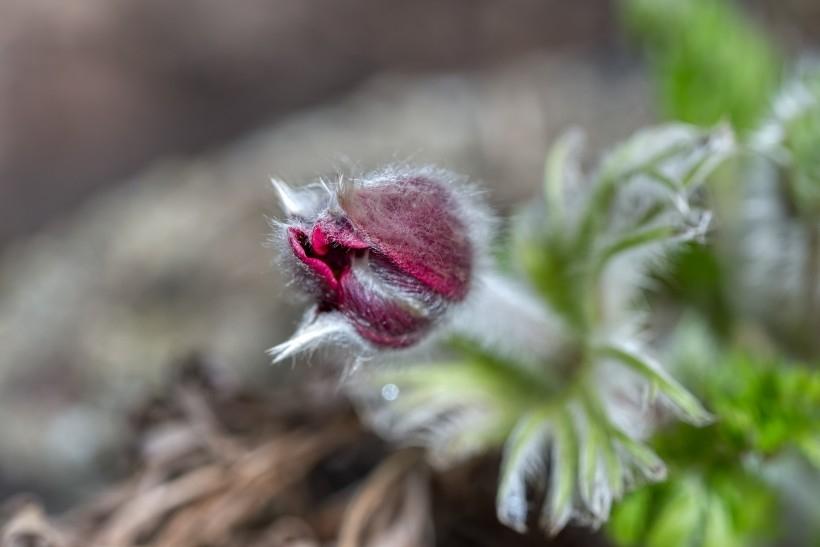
column 552, row 366
column 384, row 256
column 565, row 380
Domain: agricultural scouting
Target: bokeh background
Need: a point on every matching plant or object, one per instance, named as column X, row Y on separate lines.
column 136, row 142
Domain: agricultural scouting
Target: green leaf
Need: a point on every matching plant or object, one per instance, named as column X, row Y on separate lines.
column 679, row 519
column 709, row 61
column 631, row 517
column 562, row 174
column 674, row 158
column 593, row 482
column 810, row 447
column 688, row 407
column 701, row 505
column 633, row 240
column 639, row 198
column 749, row 501
column 650, row 466
column 718, row 528
column 609, row 461
column 765, row 402
column 556, row 270
column 558, row 506
column 523, row 456
column 676, row 155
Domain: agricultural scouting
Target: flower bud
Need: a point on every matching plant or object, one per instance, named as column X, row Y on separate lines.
column 384, row 256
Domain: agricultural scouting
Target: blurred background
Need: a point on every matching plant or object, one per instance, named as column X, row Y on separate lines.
column 136, row 142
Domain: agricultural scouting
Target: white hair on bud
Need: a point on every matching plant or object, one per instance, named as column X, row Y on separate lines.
column 303, row 202
column 316, row 329
column 289, row 202
column 472, row 210
column 377, row 282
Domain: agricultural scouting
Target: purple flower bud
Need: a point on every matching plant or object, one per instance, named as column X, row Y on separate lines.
column 386, row 254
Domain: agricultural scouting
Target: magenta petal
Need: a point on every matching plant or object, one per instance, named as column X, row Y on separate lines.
column 381, row 320
column 319, row 241
column 337, row 231
column 413, row 222
column 319, row 268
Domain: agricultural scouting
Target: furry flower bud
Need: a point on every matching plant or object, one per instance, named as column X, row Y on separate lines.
column 384, row 256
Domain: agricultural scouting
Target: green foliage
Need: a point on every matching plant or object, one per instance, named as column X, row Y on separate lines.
column 571, row 416
column 572, row 423
column 726, row 509
column 768, row 407
column 709, row 61
column 715, row 495
column 481, row 401
column 638, row 200
column 763, row 405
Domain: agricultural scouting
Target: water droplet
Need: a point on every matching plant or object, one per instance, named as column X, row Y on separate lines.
column 390, row 392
